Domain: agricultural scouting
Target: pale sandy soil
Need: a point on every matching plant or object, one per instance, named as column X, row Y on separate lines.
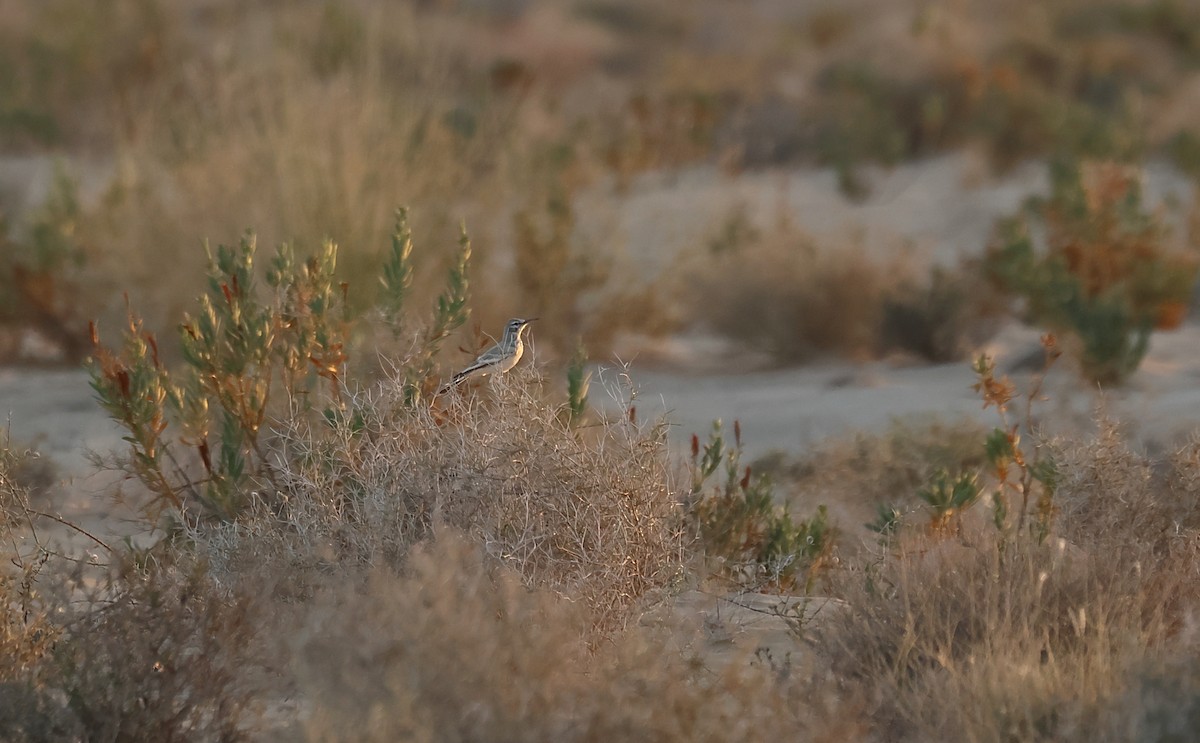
column 792, row 409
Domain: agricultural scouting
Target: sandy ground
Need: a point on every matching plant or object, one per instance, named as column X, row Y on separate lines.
column 792, row 409
column 936, row 210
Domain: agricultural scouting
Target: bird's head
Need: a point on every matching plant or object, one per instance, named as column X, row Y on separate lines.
column 516, row 325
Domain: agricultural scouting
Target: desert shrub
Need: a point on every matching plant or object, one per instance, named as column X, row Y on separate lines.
column 146, row 654
column 741, row 525
column 939, row 318
column 781, row 292
column 118, row 650
column 1024, row 470
column 1107, row 273
column 1007, row 636
column 591, row 513
column 26, row 635
column 477, row 656
column 160, row 655
column 39, row 271
column 197, row 435
column 260, row 432
column 237, row 349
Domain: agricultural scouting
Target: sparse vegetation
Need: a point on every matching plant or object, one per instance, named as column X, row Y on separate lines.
column 1030, row 638
column 740, row 524
column 331, row 547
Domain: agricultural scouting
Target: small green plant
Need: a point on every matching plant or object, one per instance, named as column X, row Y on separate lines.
column 397, row 272
column 239, row 350
column 948, row 495
column 450, row 313
column 740, row 522
column 578, row 381
column 888, row 520
column 1107, row 276
column 1020, row 471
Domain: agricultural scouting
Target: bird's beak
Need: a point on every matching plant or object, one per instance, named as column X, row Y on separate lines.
column 530, row 320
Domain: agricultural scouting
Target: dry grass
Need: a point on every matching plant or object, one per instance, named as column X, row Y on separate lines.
column 319, row 119
column 783, row 293
column 982, row 638
column 457, row 649
column 127, row 650
column 480, row 570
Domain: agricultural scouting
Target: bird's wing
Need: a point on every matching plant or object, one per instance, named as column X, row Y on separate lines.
column 490, row 356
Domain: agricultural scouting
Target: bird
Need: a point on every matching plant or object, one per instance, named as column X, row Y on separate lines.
column 499, row 358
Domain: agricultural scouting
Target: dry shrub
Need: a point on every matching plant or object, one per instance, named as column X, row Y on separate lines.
column 782, row 292
column 457, row 649
column 940, row 318
column 158, row 655
column 986, row 637
column 26, row 634
column 1109, row 492
column 592, row 514
column 129, row 653
column 978, row 643
column 154, row 655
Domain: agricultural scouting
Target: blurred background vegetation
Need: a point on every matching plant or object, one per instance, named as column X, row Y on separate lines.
column 133, row 131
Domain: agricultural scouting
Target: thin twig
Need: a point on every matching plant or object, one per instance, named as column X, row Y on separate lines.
column 76, row 527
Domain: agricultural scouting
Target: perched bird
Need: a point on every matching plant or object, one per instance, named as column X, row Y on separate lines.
column 499, row 358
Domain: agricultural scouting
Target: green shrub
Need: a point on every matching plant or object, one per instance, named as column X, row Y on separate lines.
column 1107, row 274
column 39, row 269
column 740, row 523
column 196, row 434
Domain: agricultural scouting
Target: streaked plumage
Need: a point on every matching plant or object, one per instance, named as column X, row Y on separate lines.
column 499, row 358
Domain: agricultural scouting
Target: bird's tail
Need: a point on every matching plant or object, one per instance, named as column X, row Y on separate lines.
column 460, row 377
